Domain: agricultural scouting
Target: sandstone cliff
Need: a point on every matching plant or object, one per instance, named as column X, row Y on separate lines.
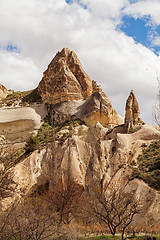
column 64, row 79
column 4, row 92
column 77, row 135
column 98, row 108
column 83, row 157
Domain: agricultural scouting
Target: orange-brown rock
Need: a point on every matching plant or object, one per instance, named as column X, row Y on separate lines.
column 98, row 108
column 64, row 79
column 3, row 91
column 95, row 87
column 132, row 113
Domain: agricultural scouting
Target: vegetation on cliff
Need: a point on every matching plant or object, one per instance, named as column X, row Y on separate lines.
column 149, row 165
column 22, row 98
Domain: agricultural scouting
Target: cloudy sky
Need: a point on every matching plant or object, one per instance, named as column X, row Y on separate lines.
column 117, row 42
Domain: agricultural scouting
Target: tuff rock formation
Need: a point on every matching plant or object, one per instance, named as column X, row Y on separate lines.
column 18, row 123
column 132, row 113
column 98, row 108
column 83, row 157
column 87, row 141
column 4, row 92
column 64, row 79
column 65, row 82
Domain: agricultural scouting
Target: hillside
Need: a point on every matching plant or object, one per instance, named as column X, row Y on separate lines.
column 65, row 134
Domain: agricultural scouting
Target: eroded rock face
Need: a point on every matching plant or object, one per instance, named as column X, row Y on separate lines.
column 20, row 122
column 98, row 108
column 64, row 79
column 83, row 152
column 85, row 156
column 3, row 91
column 132, row 113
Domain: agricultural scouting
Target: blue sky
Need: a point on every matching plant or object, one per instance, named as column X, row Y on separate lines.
column 117, row 42
column 78, row 2
column 12, row 48
column 141, row 31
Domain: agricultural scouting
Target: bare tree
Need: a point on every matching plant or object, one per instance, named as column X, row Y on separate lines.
column 113, row 207
column 64, row 199
column 28, row 219
column 156, row 108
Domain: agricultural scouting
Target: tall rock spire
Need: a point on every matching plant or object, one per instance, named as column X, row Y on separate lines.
column 132, row 113
column 64, row 79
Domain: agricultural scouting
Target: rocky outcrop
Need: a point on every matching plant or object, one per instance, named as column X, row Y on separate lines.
column 132, row 113
column 83, row 157
column 98, row 108
column 95, row 87
column 64, row 79
column 19, row 122
column 81, row 149
column 4, row 92
column 65, row 82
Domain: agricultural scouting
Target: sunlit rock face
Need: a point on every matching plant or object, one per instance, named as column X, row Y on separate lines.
column 4, row 92
column 132, row 114
column 85, row 156
column 17, row 123
column 98, row 108
column 89, row 142
column 64, row 79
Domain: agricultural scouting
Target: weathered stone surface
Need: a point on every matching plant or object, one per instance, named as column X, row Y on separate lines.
column 64, row 79
column 3, row 91
column 132, row 113
column 81, row 153
column 19, row 122
column 95, row 87
column 83, row 158
column 98, row 108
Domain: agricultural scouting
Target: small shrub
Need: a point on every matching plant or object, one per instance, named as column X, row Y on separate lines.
column 149, row 165
column 134, row 129
column 31, row 145
column 22, row 97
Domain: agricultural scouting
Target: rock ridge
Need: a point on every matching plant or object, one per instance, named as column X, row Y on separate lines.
column 64, row 79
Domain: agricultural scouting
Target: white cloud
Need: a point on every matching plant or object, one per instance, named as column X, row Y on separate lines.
column 155, row 41
column 41, row 28
column 142, row 8
column 105, row 9
column 16, row 72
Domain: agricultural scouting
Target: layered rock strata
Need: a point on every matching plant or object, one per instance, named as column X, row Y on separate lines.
column 4, row 92
column 84, row 151
column 64, row 79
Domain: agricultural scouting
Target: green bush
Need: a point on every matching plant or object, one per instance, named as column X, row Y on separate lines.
column 32, row 144
column 22, row 97
column 149, row 165
column 43, row 136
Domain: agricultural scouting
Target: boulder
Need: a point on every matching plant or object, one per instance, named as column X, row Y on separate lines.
column 98, row 108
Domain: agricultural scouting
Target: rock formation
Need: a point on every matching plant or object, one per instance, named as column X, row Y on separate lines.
column 79, row 146
column 83, row 158
column 19, row 122
column 95, row 86
column 64, row 79
column 98, row 108
column 3, row 91
column 132, row 113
